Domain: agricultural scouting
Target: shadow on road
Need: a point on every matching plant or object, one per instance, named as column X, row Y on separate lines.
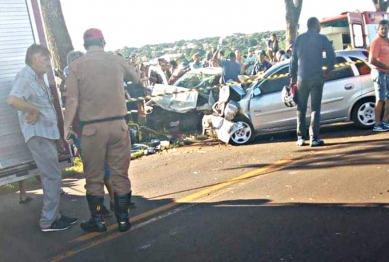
column 256, row 230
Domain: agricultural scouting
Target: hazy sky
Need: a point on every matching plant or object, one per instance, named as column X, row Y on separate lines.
column 139, row 22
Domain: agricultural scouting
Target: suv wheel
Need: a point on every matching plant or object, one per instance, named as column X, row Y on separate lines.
column 363, row 113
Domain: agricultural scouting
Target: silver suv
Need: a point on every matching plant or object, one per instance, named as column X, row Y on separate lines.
column 348, row 96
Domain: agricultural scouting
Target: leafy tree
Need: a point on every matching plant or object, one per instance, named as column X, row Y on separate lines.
column 253, row 42
column 180, row 43
column 381, row 5
column 293, row 10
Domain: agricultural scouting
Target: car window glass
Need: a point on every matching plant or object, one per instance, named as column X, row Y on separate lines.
column 192, row 80
column 342, row 71
column 276, row 84
column 361, row 65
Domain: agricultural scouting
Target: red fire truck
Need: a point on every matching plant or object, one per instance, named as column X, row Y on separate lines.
column 352, row 29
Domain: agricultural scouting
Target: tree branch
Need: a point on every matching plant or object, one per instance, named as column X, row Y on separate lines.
column 381, row 5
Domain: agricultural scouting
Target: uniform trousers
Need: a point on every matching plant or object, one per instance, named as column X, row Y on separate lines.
column 106, row 142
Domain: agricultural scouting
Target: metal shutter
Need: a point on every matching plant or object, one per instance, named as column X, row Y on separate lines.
column 16, row 35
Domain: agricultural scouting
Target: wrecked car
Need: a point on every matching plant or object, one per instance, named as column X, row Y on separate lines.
column 348, row 95
column 174, row 107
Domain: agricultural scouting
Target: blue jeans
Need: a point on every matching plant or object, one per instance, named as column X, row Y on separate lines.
column 381, row 84
column 304, row 89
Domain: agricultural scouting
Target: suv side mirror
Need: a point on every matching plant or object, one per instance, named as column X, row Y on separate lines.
column 256, row 91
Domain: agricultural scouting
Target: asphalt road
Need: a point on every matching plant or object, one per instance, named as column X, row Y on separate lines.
column 269, row 201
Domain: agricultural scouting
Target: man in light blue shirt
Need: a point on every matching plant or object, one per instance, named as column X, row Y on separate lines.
column 306, row 71
column 250, row 61
column 31, row 96
column 196, row 62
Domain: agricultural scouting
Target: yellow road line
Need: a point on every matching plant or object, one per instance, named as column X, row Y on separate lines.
column 187, row 199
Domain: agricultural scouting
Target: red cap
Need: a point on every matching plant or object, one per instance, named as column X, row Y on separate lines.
column 93, row 34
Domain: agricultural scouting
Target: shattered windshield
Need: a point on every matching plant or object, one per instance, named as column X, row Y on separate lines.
column 193, row 80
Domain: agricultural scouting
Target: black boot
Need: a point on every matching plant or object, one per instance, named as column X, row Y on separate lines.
column 96, row 222
column 106, row 212
column 122, row 203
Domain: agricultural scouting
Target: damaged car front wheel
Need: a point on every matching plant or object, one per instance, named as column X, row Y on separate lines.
column 244, row 134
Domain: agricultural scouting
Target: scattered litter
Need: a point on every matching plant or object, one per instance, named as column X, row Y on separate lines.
column 164, row 143
column 145, row 246
column 174, row 123
column 195, row 172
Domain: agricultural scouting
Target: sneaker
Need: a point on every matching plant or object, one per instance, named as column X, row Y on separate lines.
column 386, row 124
column 300, row 141
column 316, row 142
column 381, row 127
column 69, row 220
column 57, row 225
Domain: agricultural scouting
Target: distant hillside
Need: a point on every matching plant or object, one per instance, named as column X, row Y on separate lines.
column 189, row 47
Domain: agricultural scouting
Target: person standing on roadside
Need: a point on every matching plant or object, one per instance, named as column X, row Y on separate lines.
column 196, row 62
column 262, row 65
column 231, row 68
column 250, row 61
column 240, row 60
column 31, row 96
column 306, row 71
column 272, row 47
column 94, row 90
column 379, row 58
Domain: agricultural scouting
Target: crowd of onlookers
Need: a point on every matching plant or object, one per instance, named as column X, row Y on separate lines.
column 253, row 63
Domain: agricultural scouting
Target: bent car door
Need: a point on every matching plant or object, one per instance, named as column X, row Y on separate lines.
column 267, row 110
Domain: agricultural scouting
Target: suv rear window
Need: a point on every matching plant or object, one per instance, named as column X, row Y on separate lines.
column 342, row 71
column 361, row 65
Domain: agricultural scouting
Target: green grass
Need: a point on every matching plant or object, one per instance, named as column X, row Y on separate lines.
column 76, row 169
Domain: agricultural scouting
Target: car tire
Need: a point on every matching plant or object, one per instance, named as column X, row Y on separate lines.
column 245, row 135
column 363, row 113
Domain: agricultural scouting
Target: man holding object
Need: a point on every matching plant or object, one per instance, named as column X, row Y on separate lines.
column 306, row 70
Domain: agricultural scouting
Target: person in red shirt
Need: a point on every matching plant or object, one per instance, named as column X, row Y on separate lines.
column 379, row 58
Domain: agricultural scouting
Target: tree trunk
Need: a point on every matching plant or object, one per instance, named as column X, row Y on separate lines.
column 381, row 5
column 293, row 10
column 57, row 33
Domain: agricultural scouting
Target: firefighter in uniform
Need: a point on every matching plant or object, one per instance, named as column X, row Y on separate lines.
column 94, row 91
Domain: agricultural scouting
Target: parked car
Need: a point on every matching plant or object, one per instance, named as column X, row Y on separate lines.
column 348, row 95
